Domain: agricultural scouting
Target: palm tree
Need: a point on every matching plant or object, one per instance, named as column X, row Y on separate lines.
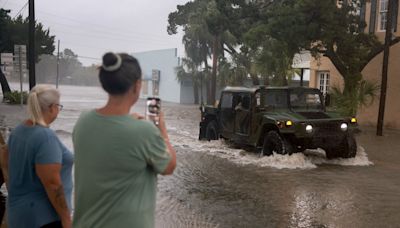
column 189, row 71
column 206, row 35
column 362, row 95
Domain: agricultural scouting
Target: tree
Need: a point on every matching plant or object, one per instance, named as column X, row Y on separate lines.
column 69, row 63
column 324, row 29
column 348, row 104
column 4, row 20
column 206, row 25
column 15, row 31
column 190, row 71
column 71, row 70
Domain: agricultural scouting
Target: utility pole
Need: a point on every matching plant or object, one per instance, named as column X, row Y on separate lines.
column 388, row 38
column 58, row 63
column 31, row 45
column 301, row 77
column 214, row 71
column 20, row 74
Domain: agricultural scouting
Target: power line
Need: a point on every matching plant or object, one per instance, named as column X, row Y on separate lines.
column 20, row 11
column 82, row 57
column 80, row 45
column 104, row 32
column 98, row 31
column 107, row 28
column 105, row 35
column 110, row 38
column 87, row 57
column 94, row 25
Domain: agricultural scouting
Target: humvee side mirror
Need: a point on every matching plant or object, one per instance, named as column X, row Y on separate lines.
column 327, row 100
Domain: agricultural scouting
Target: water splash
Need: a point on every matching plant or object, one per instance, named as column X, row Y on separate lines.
column 308, row 160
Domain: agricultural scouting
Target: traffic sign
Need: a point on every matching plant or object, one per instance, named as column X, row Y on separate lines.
column 20, row 60
column 6, row 63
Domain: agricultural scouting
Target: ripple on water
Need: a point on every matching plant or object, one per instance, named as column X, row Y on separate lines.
column 172, row 214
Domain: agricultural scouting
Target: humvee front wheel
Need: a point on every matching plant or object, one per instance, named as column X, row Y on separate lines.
column 346, row 149
column 274, row 142
column 211, row 131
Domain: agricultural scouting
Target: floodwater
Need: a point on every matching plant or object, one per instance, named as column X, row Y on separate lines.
column 218, row 185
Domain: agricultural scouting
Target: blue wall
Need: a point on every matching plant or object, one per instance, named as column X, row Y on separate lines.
column 165, row 61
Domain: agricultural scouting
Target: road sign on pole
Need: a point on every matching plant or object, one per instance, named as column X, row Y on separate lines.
column 20, row 60
column 7, row 63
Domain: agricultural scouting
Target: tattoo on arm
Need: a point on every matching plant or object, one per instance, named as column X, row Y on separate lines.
column 60, row 198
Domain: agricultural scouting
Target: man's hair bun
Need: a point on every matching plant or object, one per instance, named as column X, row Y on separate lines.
column 111, row 62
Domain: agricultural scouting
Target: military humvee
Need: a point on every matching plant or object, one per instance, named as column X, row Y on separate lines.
column 284, row 120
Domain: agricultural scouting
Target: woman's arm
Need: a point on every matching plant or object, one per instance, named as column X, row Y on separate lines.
column 163, row 129
column 49, row 175
column 4, row 162
column 4, row 159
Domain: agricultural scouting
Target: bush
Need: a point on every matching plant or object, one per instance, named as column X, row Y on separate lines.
column 361, row 95
column 14, row 97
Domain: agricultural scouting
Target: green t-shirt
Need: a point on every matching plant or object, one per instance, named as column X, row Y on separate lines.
column 117, row 159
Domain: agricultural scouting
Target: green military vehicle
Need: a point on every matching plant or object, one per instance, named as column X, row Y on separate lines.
column 283, row 120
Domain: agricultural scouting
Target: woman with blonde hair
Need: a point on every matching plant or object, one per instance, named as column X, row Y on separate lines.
column 39, row 167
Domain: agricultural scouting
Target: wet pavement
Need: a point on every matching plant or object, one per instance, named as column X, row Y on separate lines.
column 218, row 185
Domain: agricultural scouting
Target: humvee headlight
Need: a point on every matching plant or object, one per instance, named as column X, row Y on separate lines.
column 289, row 123
column 353, row 120
column 309, row 128
column 343, row 126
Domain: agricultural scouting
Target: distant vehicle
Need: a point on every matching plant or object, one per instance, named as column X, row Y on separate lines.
column 284, row 120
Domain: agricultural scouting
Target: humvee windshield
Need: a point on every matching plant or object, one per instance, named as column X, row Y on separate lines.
column 296, row 99
column 305, row 99
column 276, row 98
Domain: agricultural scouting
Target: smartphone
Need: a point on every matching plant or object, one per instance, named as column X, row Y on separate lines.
column 153, row 108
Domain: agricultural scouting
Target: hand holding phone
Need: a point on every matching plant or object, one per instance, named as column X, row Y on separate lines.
column 153, row 109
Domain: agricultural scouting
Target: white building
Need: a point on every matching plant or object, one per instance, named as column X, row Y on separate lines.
column 159, row 76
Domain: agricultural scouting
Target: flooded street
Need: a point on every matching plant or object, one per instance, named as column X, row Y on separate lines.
column 218, row 185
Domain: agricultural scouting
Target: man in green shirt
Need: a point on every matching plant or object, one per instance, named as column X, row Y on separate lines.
column 118, row 156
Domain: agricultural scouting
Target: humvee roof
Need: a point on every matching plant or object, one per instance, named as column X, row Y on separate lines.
column 254, row 89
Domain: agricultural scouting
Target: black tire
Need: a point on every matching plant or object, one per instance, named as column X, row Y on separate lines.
column 346, row 149
column 349, row 147
column 211, row 131
column 300, row 149
column 273, row 141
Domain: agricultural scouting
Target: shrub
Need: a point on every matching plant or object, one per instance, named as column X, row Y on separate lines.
column 14, row 97
column 362, row 95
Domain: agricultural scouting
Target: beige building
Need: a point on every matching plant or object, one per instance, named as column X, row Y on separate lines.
column 324, row 75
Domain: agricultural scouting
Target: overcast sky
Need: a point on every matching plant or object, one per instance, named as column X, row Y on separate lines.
column 92, row 27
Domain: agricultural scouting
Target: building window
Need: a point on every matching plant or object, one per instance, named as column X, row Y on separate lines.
column 383, row 8
column 324, row 81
